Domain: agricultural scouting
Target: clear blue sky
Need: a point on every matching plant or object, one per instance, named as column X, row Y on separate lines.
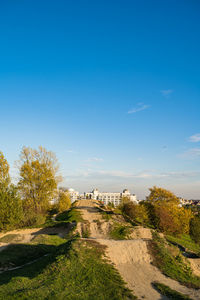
column 112, row 87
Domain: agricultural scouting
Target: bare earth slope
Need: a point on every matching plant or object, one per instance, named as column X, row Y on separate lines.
column 131, row 257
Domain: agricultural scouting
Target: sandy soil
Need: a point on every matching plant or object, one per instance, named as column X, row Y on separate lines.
column 131, row 257
column 195, row 265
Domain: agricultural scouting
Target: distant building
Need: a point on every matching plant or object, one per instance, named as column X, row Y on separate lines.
column 107, row 197
column 74, row 195
column 188, row 202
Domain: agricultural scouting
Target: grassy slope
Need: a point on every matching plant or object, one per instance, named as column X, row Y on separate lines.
column 170, row 265
column 185, row 241
column 167, row 291
column 75, row 271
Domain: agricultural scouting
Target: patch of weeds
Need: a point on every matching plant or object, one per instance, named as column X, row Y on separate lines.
column 119, row 232
column 167, row 291
column 106, row 216
column 174, row 267
column 85, row 230
column 9, row 238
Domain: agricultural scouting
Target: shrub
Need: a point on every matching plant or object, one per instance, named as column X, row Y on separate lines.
column 136, row 212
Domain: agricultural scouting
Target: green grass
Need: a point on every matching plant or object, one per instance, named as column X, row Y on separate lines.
column 185, row 241
column 119, row 232
column 68, row 216
column 45, row 239
column 172, row 266
column 76, row 271
column 19, row 254
column 9, row 238
column 106, row 216
column 167, row 291
column 72, row 215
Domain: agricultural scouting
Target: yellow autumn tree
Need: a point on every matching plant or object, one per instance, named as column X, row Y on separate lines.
column 4, row 171
column 38, row 179
column 64, row 201
column 169, row 217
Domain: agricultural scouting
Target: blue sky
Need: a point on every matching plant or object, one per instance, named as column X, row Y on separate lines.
column 112, row 87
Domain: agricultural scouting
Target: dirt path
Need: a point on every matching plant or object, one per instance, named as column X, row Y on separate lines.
column 131, row 258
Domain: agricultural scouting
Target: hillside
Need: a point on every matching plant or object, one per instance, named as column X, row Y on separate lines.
column 110, row 260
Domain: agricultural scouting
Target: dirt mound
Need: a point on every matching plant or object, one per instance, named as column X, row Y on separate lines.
column 131, row 257
column 141, row 233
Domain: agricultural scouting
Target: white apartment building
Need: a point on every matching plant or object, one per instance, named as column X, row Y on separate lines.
column 114, row 198
column 74, row 195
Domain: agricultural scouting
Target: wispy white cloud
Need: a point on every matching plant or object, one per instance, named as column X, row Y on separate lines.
column 71, row 151
column 193, row 153
column 94, row 159
column 139, row 107
column 195, row 138
column 121, row 175
column 166, row 93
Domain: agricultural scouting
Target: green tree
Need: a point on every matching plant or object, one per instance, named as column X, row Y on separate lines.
column 10, row 208
column 10, row 203
column 38, row 179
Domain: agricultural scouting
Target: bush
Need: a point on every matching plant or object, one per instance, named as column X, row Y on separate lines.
column 137, row 212
column 32, row 219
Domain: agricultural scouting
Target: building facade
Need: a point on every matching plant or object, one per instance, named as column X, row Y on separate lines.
column 114, row 198
column 74, row 195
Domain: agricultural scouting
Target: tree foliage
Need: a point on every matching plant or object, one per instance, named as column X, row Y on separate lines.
column 10, row 208
column 10, row 203
column 160, row 195
column 64, row 201
column 136, row 212
column 4, row 171
column 195, row 229
column 38, row 179
column 169, row 217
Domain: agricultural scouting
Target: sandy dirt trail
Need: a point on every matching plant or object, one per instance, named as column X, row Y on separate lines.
column 131, row 258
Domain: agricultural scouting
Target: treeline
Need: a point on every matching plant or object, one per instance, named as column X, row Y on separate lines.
column 162, row 211
column 28, row 202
